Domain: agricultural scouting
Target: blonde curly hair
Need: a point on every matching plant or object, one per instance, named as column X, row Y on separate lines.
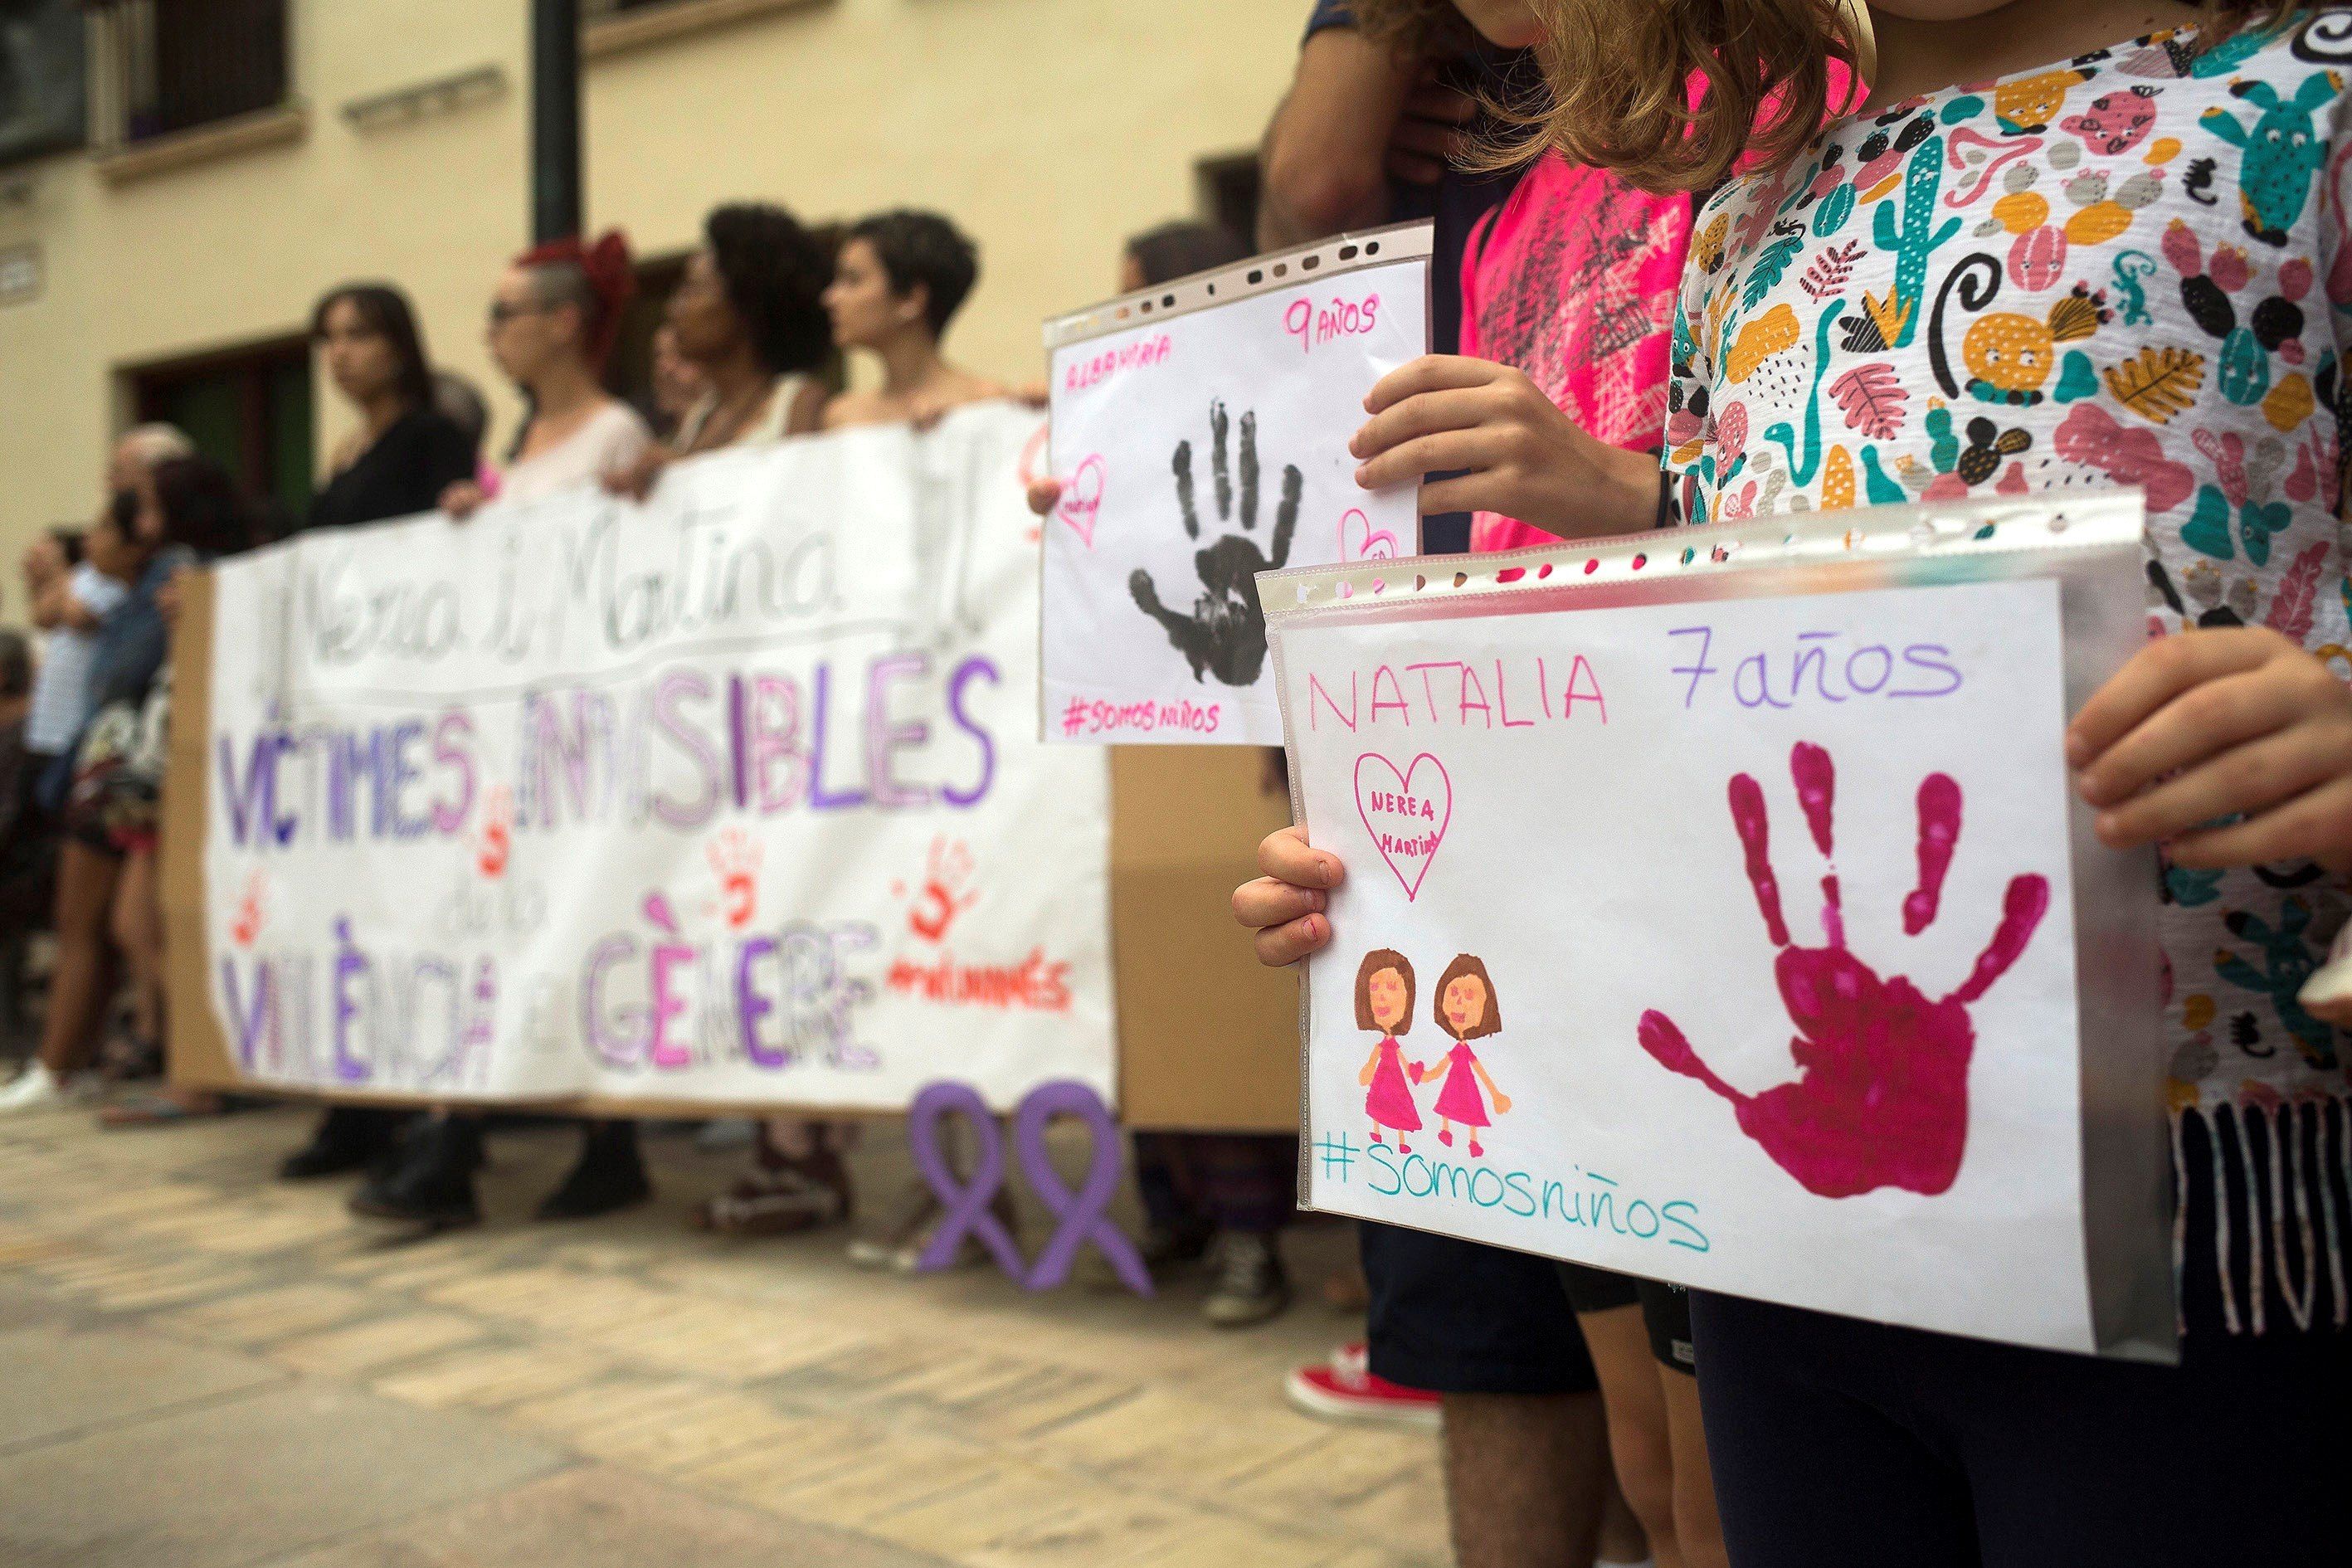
column 1616, row 75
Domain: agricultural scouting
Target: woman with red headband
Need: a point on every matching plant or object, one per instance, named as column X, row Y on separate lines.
column 552, row 325
column 553, row 322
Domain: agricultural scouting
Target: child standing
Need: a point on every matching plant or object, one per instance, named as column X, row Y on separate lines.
column 2097, row 244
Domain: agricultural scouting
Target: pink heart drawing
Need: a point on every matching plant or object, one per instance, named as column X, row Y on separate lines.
column 1406, row 824
column 1376, row 546
column 1082, row 500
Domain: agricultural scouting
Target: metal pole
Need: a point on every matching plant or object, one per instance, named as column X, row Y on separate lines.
column 555, row 199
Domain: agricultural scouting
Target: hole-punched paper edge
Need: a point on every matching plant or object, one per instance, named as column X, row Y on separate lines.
column 1333, row 257
column 2074, row 520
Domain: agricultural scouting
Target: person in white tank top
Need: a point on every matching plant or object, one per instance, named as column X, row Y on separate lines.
column 552, row 324
column 898, row 281
column 746, row 315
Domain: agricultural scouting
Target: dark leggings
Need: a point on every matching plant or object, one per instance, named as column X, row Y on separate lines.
column 1244, row 1182
column 1841, row 1444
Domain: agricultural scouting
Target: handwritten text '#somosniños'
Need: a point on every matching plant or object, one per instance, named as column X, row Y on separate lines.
column 679, row 748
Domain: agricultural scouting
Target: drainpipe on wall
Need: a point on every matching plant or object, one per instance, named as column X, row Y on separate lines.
column 555, row 194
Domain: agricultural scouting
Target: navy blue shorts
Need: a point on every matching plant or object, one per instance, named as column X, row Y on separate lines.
column 1836, row 1441
column 1456, row 1317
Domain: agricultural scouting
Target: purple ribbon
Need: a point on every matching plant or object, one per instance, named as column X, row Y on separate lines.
column 967, row 1205
column 1085, row 1215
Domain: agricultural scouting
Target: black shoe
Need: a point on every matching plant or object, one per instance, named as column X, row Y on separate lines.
column 609, row 1175
column 349, row 1137
column 1170, row 1246
column 432, row 1183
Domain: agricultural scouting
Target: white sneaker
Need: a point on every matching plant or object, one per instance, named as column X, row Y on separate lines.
column 38, row 1089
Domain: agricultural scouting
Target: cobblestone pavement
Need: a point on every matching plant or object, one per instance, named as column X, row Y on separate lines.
column 203, row 1368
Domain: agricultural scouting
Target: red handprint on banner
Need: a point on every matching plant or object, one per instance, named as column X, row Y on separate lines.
column 946, row 892
column 1881, row 1095
column 496, row 840
column 734, row 857
column 251, row 909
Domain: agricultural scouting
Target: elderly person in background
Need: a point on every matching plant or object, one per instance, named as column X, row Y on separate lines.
column 180, row 512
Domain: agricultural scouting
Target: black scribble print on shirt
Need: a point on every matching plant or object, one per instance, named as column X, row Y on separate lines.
column 1225, row 633
column 1578, row 302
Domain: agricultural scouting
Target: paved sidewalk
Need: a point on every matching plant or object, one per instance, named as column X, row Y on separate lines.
column 203, row 1368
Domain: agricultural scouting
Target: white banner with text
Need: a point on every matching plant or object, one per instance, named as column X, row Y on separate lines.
column 734, row 795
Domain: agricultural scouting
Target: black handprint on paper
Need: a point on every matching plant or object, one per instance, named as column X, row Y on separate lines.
column 1225, row 633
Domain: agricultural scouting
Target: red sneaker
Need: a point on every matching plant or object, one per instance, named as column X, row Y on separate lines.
column 1344, row 1389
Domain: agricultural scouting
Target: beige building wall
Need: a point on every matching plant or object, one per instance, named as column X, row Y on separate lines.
column 1050, row 129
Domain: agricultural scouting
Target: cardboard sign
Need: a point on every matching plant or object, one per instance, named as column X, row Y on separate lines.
column 1718, row 910
column 727, row 798
column 1201, row 433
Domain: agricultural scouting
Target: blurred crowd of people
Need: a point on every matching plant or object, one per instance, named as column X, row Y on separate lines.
column 1634, row 206
column 754, row 344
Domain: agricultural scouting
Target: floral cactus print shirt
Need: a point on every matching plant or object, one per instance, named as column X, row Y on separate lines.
column 2126, row 269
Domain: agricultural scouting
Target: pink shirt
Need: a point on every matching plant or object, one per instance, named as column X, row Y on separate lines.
column 1573, row 280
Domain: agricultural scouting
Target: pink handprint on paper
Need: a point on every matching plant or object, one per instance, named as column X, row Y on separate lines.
column 1881, row 1095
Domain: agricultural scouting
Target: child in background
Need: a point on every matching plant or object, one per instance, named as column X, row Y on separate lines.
column 69, row 596
column 1568, row 296
column 1226, row 1196
column 2105, row 243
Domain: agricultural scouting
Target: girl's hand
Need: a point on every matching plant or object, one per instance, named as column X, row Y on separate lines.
column 1365, row 1076
column 462, row 500
column 1526, row 458
column 1284, row 907
column 1044, row 495
column 1502, row 1102
column 2235, row 722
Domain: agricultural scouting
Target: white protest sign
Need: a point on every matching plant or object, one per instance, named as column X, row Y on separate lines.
column 732, row 796
column 1718, row 910
column 1200, row 431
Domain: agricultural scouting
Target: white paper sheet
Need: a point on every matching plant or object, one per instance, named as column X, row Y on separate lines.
column 732, row 796
column 1197, row 450
column 1831, row 1060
